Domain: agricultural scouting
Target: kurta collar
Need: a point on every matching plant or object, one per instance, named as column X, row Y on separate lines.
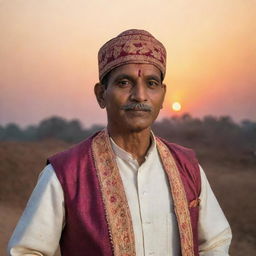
column 126, row 156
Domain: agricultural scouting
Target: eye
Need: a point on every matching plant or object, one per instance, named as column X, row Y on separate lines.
column 123, row 83
column 153, row 83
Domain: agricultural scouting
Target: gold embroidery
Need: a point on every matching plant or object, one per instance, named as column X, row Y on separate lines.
column 114, row 198
column 117, row 51
column 156, row 53
column 179, row 199
column 116, row 205
column 194, row 203
column 154, row 49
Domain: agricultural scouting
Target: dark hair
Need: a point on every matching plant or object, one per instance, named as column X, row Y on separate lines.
column 105, row 80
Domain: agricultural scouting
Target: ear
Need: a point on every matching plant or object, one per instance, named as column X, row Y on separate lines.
column 99, row 90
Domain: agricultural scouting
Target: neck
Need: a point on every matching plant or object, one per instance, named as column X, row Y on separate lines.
column 136, row 143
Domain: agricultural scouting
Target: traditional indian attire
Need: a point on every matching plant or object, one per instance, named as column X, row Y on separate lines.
column 113, row 206
column 94, row 199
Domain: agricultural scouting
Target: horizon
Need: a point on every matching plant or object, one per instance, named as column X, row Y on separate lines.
column 48, row 56
column 84, row 126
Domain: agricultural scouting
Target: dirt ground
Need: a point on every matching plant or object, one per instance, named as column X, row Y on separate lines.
column 233, row 182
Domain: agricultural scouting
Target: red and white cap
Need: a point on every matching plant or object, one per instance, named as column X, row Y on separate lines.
column 131, row 46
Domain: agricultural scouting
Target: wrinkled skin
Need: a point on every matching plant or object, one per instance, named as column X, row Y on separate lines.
column 131, row 91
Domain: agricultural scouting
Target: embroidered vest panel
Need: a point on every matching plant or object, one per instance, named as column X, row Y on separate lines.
column 86, row 230
column 97, row 215
column 188, row 167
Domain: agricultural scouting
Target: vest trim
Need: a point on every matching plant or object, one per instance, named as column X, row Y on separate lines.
column 115, row 202
column 116, row 205
column 181, row 206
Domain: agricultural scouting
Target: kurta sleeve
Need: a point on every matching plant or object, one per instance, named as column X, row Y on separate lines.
column 39, row 228
column 214, row 232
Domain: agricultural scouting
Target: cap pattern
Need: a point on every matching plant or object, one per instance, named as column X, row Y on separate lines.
column 131, row 46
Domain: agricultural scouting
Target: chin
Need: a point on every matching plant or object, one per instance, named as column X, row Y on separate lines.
column 138, row 127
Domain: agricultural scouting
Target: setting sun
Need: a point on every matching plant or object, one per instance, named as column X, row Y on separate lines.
column 176, row 106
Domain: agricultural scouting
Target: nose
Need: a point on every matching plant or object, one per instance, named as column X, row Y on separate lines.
column 139, row 92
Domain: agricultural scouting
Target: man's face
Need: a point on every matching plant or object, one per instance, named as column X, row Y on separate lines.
column 133, row 97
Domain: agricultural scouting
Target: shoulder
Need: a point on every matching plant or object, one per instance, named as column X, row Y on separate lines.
column 74, row 152
column 188, row 167
column 71, row 163
column 180, row 151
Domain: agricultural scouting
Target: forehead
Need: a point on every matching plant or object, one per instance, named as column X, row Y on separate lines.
column 135, row 70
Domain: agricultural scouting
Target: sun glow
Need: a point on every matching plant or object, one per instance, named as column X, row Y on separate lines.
column 176, row 106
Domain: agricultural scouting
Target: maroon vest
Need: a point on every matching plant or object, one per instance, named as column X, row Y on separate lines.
column 86, row 231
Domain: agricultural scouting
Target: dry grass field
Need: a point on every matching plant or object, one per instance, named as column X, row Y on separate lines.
column 233, row 181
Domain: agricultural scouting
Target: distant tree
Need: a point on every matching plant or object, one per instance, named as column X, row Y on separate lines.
column 12, row 132
column 72, row 131
column 249, row 133
column 51, row 128
column 59, row 128
column 2, row 132
column 30, row 133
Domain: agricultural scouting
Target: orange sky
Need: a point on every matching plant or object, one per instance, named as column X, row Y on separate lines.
column 48, row 55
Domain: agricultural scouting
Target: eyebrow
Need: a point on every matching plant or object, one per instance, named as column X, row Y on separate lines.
column 153, row 77
column 129, row 77
column 123, row 76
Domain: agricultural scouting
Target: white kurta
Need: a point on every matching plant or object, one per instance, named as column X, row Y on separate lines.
column 148, row 194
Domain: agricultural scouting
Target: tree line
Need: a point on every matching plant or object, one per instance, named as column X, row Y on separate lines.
column 50, row 128
column 220, row 133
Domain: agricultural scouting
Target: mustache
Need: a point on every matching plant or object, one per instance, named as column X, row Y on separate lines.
column 137, row 106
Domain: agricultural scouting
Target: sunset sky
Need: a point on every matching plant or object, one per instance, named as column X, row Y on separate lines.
column 48, row 55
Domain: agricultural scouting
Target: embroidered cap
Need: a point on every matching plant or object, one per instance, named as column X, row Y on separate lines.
column 131, row 46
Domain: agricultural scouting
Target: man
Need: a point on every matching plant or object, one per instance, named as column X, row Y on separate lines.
column 124, row 191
